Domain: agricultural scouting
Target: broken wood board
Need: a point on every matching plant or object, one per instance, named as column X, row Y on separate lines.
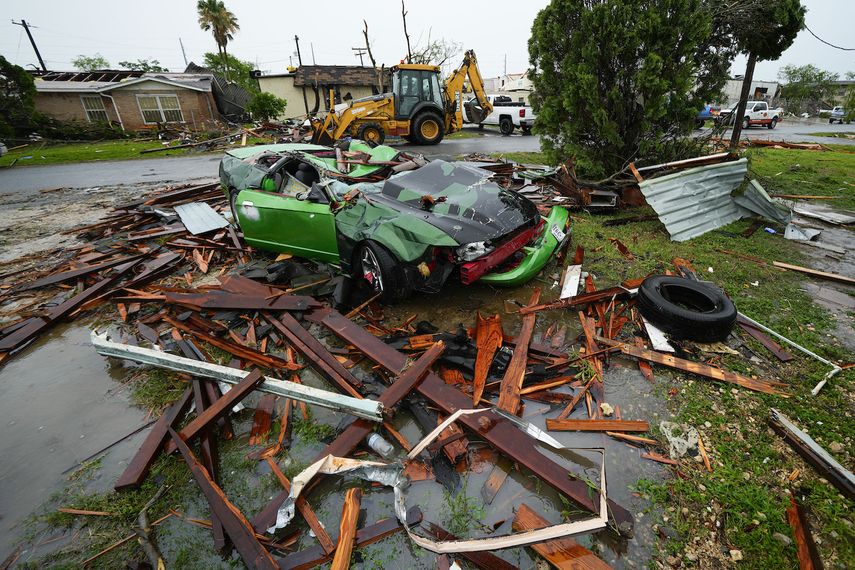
column 570, row 286
column 488, row 339
column 765, row 386
column 657, row 338
column 597, row 425
column 562, row 553
column 805, row 546
column 509, row 391
column 347, row 529
column 496, row 479
column 816, row 273
column 305, row 509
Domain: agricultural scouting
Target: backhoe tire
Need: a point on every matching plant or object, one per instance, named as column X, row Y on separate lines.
column 506, row 126
column 371, row 133
column 686, row 309
column 428, row 128
column 375, row 267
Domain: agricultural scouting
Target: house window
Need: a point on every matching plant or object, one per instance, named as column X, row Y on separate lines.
column 160, row 109
column 94, row 107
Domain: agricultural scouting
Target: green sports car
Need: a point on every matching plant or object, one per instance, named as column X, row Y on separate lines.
column 397, row 221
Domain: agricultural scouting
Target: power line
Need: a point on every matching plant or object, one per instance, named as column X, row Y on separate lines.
column 827, row 43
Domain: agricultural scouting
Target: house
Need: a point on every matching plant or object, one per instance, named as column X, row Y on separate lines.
column 133, row 100
column 517, row 86
column 760, row 91
column 841, row 87
column 306, row 88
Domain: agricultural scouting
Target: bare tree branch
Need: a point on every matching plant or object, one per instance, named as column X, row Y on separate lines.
column 406, row 35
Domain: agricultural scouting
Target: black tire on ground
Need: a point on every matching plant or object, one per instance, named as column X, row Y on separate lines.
column 686, row 309
column 372, row 133
column 746, row 123
column 427, row 128
column 506, row 126
column 480, row 126
column 233, row 194
column 377, row 268
column 773, row 123
column 830, row 121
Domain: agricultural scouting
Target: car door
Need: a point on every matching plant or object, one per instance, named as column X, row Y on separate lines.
column 285, row 223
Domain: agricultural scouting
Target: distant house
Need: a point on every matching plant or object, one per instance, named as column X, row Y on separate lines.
column 517, row 86
column 760, row 91
column 132, row 100
column 306, row 88
column 840, row 89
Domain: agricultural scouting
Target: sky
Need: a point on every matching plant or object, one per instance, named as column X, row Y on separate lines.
column 497, row 30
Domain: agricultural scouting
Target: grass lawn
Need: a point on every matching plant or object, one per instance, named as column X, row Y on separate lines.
column 741, row 504
column 463, row 135
column 837, row 135
column 38, row 153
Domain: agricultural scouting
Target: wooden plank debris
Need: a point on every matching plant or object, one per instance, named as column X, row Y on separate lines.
column 765, row 386
column 597, row 425
column 262, row 420
column 484, row 560
column 302, row 505
column 506, row 437
column 659, row 458
column 347, row 529
column 816, row 273
column 509, row 391
column 488, row 339
column 632, row 438
column 235, row 524
column 562, row 553
column 805, row 546
column 496, row 479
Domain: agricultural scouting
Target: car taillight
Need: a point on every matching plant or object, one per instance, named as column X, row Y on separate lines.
column 522, row 112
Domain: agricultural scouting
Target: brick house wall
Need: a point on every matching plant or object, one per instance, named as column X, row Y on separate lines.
column 198, row 108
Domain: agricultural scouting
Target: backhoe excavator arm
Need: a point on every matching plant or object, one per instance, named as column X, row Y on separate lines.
column 454, row 93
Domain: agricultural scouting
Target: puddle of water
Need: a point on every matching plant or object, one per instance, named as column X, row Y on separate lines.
column 59, row 404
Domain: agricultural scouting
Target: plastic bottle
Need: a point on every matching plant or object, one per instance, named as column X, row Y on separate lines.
column 380, row 445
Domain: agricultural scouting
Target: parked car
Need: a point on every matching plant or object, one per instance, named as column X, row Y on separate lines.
column 838, row 114
column 708, row 112
column 756, row 113
column 398, row 232
column 507, row 113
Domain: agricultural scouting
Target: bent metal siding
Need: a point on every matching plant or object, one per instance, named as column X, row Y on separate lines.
column 694, row 201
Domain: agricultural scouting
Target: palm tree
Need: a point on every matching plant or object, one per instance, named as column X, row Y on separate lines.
column 214, row 16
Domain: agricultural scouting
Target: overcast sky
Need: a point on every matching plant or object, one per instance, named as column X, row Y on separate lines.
column 121, row 30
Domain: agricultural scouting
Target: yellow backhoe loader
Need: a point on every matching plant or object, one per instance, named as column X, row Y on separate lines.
column 419, row 108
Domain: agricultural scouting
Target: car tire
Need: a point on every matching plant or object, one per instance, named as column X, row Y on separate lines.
column 233, row 194
column 746, row 123
column 480, row 126
column 830, row 121
column 506, row 126
column 773, row 123
column 686, row 309
column 376, row 267
column 371, row 133
column 428, row 128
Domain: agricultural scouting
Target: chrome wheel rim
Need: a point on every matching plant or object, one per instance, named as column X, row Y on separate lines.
column 371, row 270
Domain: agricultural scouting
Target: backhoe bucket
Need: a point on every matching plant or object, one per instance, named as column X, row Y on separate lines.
column 474, row 112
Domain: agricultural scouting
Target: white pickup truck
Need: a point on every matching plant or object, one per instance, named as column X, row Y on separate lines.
column 756, row 113
column 507, row 113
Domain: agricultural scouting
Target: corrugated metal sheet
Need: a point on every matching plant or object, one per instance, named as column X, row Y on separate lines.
column 694, row 201
column 199, row 217
column 753, row 197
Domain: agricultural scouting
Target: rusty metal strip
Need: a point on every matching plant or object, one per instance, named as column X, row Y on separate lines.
column 136, row 471
column 235, row 524
column 501, row 434
column 315, row 353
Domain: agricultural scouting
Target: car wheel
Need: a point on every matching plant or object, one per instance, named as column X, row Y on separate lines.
column 686, row 308
column 480, row 126
column 773, row 123
column 830, row 121
column 428, row 128
column 506, row 126
column 378, row 268
column 746, row 123
column 233, row 194
column 372, row 133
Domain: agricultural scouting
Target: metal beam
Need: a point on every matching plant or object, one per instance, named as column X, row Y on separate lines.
column 368, row 409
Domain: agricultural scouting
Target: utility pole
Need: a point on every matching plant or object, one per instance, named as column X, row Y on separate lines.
column 360, row 51
column 300, row 63
column 183, row 53
column 26, row 27
column 506, row 64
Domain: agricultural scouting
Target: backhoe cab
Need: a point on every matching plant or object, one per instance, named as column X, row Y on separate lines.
column 420, row 108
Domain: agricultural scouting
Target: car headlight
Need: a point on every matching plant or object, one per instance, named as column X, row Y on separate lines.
column 474, row 250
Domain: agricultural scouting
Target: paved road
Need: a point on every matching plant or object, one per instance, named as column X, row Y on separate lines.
column 31, row 179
